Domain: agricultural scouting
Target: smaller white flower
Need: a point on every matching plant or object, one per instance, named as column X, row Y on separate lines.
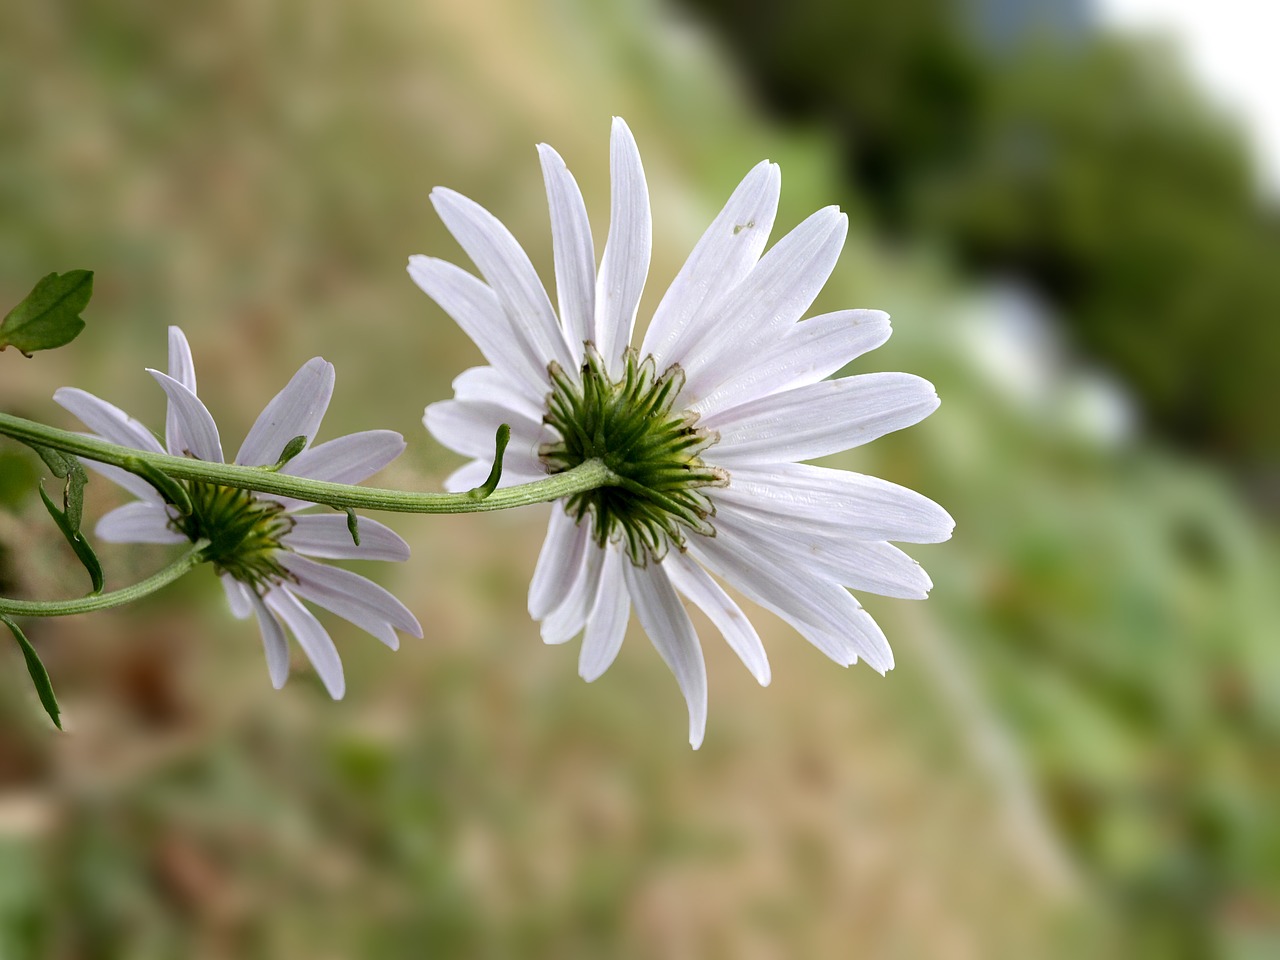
column 261, row 545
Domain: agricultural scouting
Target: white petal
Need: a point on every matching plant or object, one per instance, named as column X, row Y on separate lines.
column 196, row 425
column 349, row 459
column 312, row 637
column 567, row 620
column 853, row 504
column 607, row 625
column 295, row 411
column 823, row 612
column 559, row 562
column 181, row 368
column 506, row 267
column 625, row 264
column 106, row 420
column 238, row 596
column 476, row 472
column 810, row 351
column 671, row 632
column 469, row 427
column 273, row 641
column 123, row 478
column 340, row 590
column 326, row 535
column 477, row 311
column 819, row 419
column 873, row 566
column 727, row 251
column 696, row 584
column 572, row 246
column 747, row 320
column 492, row 385
column 142, row 521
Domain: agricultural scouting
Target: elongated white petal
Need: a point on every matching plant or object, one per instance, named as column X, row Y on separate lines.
column 727, row 251
column 774, row 295
column 238, row 596
column 506, row 267
column 326, row 535
column 182, row 368
column 696, row 584
column 196, row 424
column 331, row 588
column 475, row 308
column 295, row 411
column 142, row 521
column 123, row 478
column 810, row 351
column 559, row 562
column 823, row 612
column 873, row 566
column 819, row 419
column 607, row 625
column 273, row 641
column 625, row 264
column 491, row 385
column 574, row 251
column 858, row 506
column 106, row 420
column 312, row 637
column 671, row 632
column 567, row 620
column 515, row 471
column 349, row 459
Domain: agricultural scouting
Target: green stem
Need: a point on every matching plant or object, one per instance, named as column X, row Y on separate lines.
column 586, row 476
column 104, row 601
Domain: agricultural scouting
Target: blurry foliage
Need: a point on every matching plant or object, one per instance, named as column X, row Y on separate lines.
column 1083, row 163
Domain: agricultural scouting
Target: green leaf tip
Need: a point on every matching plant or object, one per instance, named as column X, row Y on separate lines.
column 500, row 442
column 49, row 316
column 291, row 450
column 353, row 526
column 39, row 675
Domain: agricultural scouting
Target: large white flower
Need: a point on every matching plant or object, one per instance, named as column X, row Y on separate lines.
column 261, row 545
column 705, row 425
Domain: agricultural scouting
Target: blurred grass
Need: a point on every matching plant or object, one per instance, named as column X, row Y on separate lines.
column 1083, row 702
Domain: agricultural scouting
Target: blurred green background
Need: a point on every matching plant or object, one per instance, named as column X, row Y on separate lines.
column 1079, row 751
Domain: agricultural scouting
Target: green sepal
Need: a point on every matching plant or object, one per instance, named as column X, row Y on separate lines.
column 49, row 316
column 170, row 490
column 500, row 442
column 39, row 675
column 291, row 450
column 353, row 525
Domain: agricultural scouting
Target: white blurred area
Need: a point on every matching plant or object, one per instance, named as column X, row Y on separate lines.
column 1230, row 46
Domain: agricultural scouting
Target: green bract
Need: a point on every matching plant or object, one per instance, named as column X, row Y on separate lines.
column 244, row 532
column 652, row 449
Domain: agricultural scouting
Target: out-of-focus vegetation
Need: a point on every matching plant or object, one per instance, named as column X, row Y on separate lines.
column 1087, row 164
column 1074, row 757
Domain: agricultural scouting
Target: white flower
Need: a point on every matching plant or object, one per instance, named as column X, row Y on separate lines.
column 261, row 545
column 706, row 425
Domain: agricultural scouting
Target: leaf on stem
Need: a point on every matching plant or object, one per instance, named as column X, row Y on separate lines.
column 39, row 675
column 49, row 316
column 495, row 473
column 170, row 490
column 353, row 525
column 67, row 467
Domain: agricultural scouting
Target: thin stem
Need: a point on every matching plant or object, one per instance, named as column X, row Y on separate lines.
column 104, row 601
column 586, row 476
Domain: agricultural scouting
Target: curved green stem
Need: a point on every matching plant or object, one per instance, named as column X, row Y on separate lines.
column 586, row 476
column 103, row 601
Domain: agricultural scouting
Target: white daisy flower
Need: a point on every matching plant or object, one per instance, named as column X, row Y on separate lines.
column 705, row 425
column 261, row 545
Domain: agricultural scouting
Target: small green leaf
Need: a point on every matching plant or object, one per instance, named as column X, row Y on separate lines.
column 500, row 441
column 353, row 526
column 72, row 532
column 169, row 489
column 50, row 315
column 291, row 450
column 39, row 675
column 60, row 463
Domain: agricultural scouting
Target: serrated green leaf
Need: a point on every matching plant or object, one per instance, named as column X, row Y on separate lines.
column 49, row 316
column 72, row 532
column 39, row 675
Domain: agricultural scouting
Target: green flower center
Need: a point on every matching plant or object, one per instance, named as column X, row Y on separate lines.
column 244, row 532
column 630, row 425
